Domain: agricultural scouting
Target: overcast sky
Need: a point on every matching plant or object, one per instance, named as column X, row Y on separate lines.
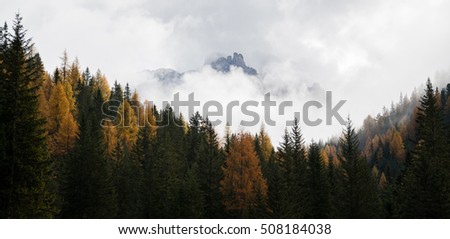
column 366, row 52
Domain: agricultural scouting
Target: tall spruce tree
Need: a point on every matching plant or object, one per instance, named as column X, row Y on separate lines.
column 168, row 167
column 318, row 196
column 26, row 170
column 273, row 176
column 337, row 193
column 210, row 171
column 292, row 155
column 426, row 185
column 194, row 139
column 360, row 187
column 299, row 173
column 127, row 93
column 284, row 155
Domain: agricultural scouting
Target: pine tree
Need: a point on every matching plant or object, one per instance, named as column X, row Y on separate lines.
column 25, row 167
column 192, row 196
column 168, row 168
column 130, row 178
column 337, row 194
column 56, row 77
column 318, row 196
column 425, row 188
column 109, row 132
column 285, row 169
column 228, row 139
column 116, row 96
column 273, row 176
column 194, row 139
column 360, row 187
column 292, row 155
column 88, row 188
column 209, row 169
column 127, row 93
column 263, row 148
column 298, row 188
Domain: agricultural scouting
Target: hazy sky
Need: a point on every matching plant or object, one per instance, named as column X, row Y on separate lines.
column 366, row 52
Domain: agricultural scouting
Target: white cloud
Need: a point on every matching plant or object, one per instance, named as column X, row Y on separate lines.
column 365, row 51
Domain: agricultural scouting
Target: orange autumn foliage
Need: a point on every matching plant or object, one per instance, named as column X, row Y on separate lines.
column 243, row 183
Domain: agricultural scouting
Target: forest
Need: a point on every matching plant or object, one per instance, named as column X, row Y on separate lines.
column 60, row 158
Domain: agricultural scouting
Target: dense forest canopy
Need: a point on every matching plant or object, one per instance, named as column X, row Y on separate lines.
column 60, row 157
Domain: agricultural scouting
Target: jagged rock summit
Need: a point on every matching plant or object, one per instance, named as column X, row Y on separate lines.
column 223, row 64
column 169, row 76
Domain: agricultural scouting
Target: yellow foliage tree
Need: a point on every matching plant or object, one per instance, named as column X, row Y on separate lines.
column 58, row 107
column 397, row 147
column 138, row 109
column 127, row 128
column 150, row 119
column 70, row 98
column 266, row 145
column 383, row 181
column 102, row 83
column 67, row 134
column 74, row 74
column 109, row 133
column 62, row 127
column 324, row 157
column 243, row 185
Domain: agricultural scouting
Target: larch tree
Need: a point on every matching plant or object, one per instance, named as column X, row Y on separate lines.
column 74, row 76
column 243, row 184
column 63, row 128
column 70, row 98
column 265, row 143
column 127, row 126
column 64, row 66
column 67, row 134
column 58, row 107
column 102, row 84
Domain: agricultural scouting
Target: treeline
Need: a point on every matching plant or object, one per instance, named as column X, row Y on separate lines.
column 60, row 157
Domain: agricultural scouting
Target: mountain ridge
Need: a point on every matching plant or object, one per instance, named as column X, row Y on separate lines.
column 221, row 64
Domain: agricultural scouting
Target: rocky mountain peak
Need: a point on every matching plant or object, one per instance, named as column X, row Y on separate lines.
column 223, row 64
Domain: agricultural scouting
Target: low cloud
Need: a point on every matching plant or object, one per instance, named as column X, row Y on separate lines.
column 364, row 51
